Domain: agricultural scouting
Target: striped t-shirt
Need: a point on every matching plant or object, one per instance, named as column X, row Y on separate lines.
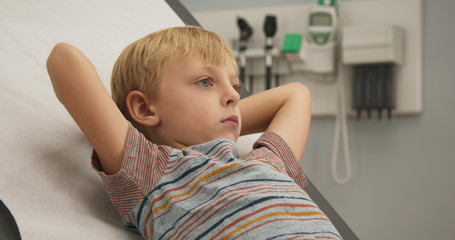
column 208, row 192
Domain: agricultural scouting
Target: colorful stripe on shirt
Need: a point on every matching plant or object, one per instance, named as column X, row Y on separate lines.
column 206, row 192
column 222, row 197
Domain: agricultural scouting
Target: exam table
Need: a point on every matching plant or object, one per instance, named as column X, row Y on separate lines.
column 47, row 185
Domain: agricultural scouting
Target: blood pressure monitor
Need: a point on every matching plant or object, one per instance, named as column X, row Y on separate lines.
column 321, row 38
column 322, row 25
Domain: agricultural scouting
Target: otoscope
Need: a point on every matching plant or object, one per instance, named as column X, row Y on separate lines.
column 270, row 30
column 245, row 34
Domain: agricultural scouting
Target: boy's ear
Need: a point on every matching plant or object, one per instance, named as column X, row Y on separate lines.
column 141, row 110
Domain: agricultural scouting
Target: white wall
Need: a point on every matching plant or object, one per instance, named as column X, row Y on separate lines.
column 404, row 169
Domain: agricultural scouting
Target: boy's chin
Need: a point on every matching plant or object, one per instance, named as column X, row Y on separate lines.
column 232, row 138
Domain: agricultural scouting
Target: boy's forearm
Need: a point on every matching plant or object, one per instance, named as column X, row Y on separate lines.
column 258, row 110
column 285, row 110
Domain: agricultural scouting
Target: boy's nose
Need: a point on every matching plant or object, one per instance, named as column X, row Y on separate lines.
column 230, row 96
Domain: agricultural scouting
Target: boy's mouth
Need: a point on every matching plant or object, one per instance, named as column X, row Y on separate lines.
column 232, row 120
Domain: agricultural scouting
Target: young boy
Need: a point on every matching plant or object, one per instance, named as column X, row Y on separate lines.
column 165, row 147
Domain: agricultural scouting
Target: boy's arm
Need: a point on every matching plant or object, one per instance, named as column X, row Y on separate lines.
column 79, row 88
column 285, row 110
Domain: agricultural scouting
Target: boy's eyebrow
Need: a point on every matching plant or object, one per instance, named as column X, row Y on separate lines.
column 234, row 77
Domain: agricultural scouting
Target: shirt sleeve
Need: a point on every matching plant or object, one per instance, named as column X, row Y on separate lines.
column 143, row 164
column 281, row 154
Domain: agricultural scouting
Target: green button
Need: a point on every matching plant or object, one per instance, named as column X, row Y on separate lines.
column 292, row 42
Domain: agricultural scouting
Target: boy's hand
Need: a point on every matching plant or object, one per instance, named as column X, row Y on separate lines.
column 285, row 110
column 80, row 90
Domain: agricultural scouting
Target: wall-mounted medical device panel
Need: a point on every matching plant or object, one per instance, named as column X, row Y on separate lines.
column 374, row 52
column 404, row 15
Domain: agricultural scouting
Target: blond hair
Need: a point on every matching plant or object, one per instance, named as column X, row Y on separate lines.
column 140, row 65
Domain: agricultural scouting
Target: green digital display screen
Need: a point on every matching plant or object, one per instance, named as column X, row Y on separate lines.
column 321, row 20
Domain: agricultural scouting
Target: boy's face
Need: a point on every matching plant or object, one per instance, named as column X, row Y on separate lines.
column 198, row 102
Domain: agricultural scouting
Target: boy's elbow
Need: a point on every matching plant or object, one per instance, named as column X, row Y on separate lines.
column 55, row 68
column 61, row 46
column 52, row 59
column 57, row 52
column 299, row 89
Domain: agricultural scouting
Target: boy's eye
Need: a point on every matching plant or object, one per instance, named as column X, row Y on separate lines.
column 205, row 82
column 236, row 87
